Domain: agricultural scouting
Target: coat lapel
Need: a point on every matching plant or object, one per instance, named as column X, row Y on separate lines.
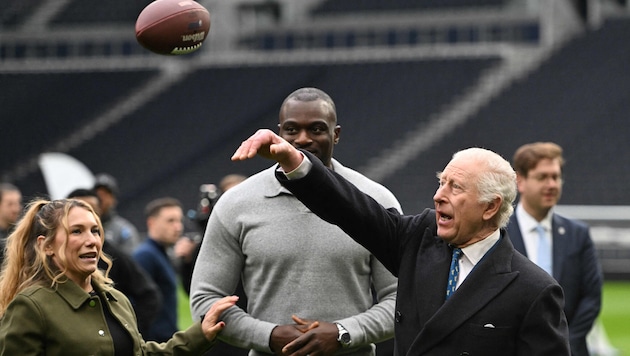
column 430, row 283
column 491, row 275
column 514, row 231
column 560, row 245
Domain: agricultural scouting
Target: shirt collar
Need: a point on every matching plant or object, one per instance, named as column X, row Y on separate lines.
column 274, row 188
column 528, row 223
column 476, row 251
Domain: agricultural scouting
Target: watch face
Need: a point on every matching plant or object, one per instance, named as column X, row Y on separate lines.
column 345, row 338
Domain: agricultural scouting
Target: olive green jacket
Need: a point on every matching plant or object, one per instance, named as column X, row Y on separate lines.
column 68, row 321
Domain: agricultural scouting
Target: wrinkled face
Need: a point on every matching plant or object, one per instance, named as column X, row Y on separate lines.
column 82, row 247
column 459, row 215
column 542, row 187
column 10, row 207
column 309, row 125
column 167, row 226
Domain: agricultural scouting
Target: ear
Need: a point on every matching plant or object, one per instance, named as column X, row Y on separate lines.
column 47, row 248
column 519, row 181
column 149, row 222
column 336, row 132
column 492, row 209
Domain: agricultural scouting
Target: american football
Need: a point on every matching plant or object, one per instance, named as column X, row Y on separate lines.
column 173, row 27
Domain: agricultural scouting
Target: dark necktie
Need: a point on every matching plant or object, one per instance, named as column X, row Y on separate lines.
column 453, row 273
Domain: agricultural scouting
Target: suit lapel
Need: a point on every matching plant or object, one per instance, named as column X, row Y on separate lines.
column 560, row 245
column 514, row 231
column 483, row 284
column 430, row 283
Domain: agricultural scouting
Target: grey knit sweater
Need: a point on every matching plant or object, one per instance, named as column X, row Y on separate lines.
column 291, row 262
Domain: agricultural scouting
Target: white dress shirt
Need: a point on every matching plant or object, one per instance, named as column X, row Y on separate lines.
column 472, row 254
column 527, row 225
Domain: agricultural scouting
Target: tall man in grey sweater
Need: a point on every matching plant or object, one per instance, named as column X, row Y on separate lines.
column 304, row 278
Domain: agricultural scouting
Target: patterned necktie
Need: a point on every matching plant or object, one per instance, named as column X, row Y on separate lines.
column 453, row 273
column 544, row 250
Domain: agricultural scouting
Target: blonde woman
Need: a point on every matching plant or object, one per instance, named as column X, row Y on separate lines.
column 55, row 301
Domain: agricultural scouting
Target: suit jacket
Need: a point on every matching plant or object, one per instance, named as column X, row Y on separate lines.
column 152, row 257
column 506, row 305
column 576, row 268
column 68, row 321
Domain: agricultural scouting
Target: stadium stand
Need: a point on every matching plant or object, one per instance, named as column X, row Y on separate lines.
column 64, row 101
column 388, row 74
column 13, row 12
column 94, row 12
column 553, row 104
column 353, row 6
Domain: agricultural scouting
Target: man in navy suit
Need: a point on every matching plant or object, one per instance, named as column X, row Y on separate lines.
column 164, row 228
column 503, row 304
column 573, row 260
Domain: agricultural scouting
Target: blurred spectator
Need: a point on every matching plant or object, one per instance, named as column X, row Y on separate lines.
column 117, row 229
column 128, row 276
column 164, row 227
column 10, row 209
column 568, row 247
column 231, row 180
column 187, row 248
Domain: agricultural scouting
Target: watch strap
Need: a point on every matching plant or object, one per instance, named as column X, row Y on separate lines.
column 344, row 336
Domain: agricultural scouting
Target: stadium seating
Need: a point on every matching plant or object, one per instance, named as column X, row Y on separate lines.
column 184, row 137
column 354, row 6
column 95, row 12
column 577, row 99
column 13, row 12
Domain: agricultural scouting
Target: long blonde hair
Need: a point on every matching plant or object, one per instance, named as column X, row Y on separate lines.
column 26, row 263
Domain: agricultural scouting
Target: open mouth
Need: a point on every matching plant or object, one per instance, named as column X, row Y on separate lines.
column 87, row 256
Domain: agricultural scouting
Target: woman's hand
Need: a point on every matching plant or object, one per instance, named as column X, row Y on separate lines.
column 211, row 325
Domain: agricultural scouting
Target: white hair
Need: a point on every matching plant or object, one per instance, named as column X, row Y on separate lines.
column 497, row 178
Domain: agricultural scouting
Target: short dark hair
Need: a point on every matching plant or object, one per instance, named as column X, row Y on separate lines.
column 7, row 187
column 312, row 94
column 527, row 156
column 153, row 207
column 82, row 192
column 106, row 181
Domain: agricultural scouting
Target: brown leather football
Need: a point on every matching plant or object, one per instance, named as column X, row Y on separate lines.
column 173, row 27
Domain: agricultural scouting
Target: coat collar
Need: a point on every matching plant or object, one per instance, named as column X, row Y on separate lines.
column 76, row 297
column 490, row 276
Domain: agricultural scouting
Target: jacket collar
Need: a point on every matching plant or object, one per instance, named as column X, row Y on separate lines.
column 485, row 282
column 76, row 297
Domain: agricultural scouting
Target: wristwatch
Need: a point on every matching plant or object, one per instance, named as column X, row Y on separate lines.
column 344, row 336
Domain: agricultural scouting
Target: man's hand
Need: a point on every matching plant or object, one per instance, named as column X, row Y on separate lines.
column 319, row 341
column 211, row 325
column 184, row 248
column 269, row 145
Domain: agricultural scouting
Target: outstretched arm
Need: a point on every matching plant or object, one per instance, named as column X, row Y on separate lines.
column 267, row 144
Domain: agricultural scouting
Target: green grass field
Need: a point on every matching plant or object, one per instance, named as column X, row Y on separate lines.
column 615, row 315
column 183, row 312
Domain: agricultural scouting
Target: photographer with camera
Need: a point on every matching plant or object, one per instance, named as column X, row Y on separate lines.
column 187, row 248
